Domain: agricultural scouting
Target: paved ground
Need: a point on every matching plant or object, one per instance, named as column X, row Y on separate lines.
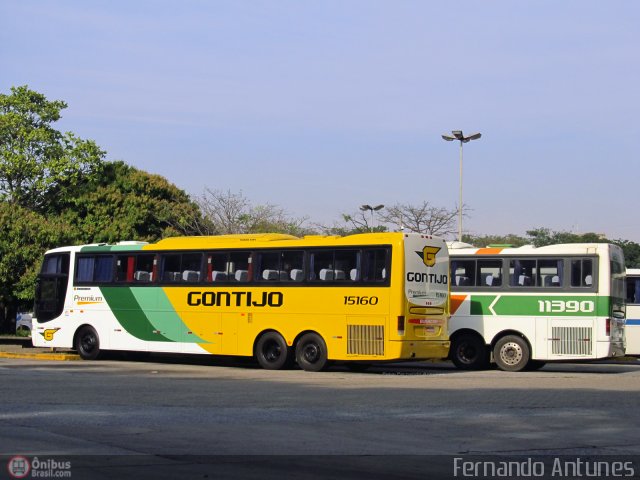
column 21, row 347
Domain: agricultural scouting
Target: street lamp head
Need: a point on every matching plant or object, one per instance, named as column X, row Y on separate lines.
column 378, row 207
column 364, row 208
column 458, row 135
column 474, row 136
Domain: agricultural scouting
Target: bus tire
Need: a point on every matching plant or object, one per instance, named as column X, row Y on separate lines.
column 311, row 353
column 511, row 353
column 272, row 352
column 87, row 343
column 469, row 352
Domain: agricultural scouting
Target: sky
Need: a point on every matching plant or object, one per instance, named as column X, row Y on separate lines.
column 319, row 107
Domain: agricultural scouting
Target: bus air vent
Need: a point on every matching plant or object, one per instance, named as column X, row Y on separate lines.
column 365, row 340
column 571, row 341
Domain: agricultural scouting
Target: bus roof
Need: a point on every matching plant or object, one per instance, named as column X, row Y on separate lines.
column 558, row 249
column 245, row 241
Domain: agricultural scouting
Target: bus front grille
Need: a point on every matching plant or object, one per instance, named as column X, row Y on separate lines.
column 365, row 340
column 571, row 340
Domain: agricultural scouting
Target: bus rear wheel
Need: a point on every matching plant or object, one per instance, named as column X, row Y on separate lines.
column 511, row 353
column 311, row 353
column 88, row 343
column 272, row 352
column 468, row 352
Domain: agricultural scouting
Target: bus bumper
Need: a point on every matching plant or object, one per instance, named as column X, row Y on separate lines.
column 419, row 349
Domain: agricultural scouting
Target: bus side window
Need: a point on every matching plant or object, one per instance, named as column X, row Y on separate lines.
column 374, row 268
column 144, row 268
column 582, row 272
column 522, row 273
column 217, row 268
column 633, row 290
column 490, row 273
column 463, row 272
column 321, row 266
column 292, row 268
column 124, row 268
column 346, row 265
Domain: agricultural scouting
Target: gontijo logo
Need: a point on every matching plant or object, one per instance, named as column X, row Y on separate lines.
column 48, row 333
column 428, row 255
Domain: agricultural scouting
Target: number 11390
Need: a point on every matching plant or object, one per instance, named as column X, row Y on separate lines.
column 566, row 306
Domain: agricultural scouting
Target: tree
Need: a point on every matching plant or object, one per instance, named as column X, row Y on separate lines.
column 486, row 240
column 631, row 252
column 423, row 218
column 25, row 236
column 37, row 162
column 125, row 203
column 224, row 212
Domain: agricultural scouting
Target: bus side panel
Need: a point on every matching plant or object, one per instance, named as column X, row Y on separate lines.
column 632, row 330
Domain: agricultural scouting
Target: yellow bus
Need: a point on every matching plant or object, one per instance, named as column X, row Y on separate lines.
column 279, row 298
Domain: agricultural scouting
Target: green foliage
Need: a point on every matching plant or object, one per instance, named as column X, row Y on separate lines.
column 631, row 252
column 486, row 240
column 26, row 235
column 37, row 162
column 125, row 203
column 544, row 236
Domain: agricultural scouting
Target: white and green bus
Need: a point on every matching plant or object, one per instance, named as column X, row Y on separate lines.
column 522, row 307
column 632, row 325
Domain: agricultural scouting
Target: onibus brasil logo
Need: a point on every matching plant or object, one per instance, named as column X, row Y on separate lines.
column 20, row 467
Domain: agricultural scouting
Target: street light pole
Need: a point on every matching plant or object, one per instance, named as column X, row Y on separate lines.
column 364, row 208
column 458, row 135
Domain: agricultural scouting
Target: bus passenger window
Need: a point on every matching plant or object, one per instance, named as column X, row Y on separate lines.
column 321, row 266
column 463, row 273
column 582, row 272
column 550, row 273
column 346, row 261
column 124, row 268
column 217, row 267
column 144, row 268
column 490, row 273
column 522, row 273
column 240, row 266
column 292, row 260
column 94, row 269
column 633, row 289
column 374, row 268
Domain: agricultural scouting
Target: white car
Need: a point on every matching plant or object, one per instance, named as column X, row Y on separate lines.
column 23, row 323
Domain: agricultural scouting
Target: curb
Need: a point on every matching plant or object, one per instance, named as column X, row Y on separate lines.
column 42, row 356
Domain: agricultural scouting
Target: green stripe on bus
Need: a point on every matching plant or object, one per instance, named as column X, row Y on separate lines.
column 127, row 311
column 159, row 311
column 540, row 305
column 110, row 248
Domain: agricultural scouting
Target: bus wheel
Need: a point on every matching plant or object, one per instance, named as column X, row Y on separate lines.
column 468, row 352
column 272, row 352
column 87, row 343
column 511, row 353
column 311, row 353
